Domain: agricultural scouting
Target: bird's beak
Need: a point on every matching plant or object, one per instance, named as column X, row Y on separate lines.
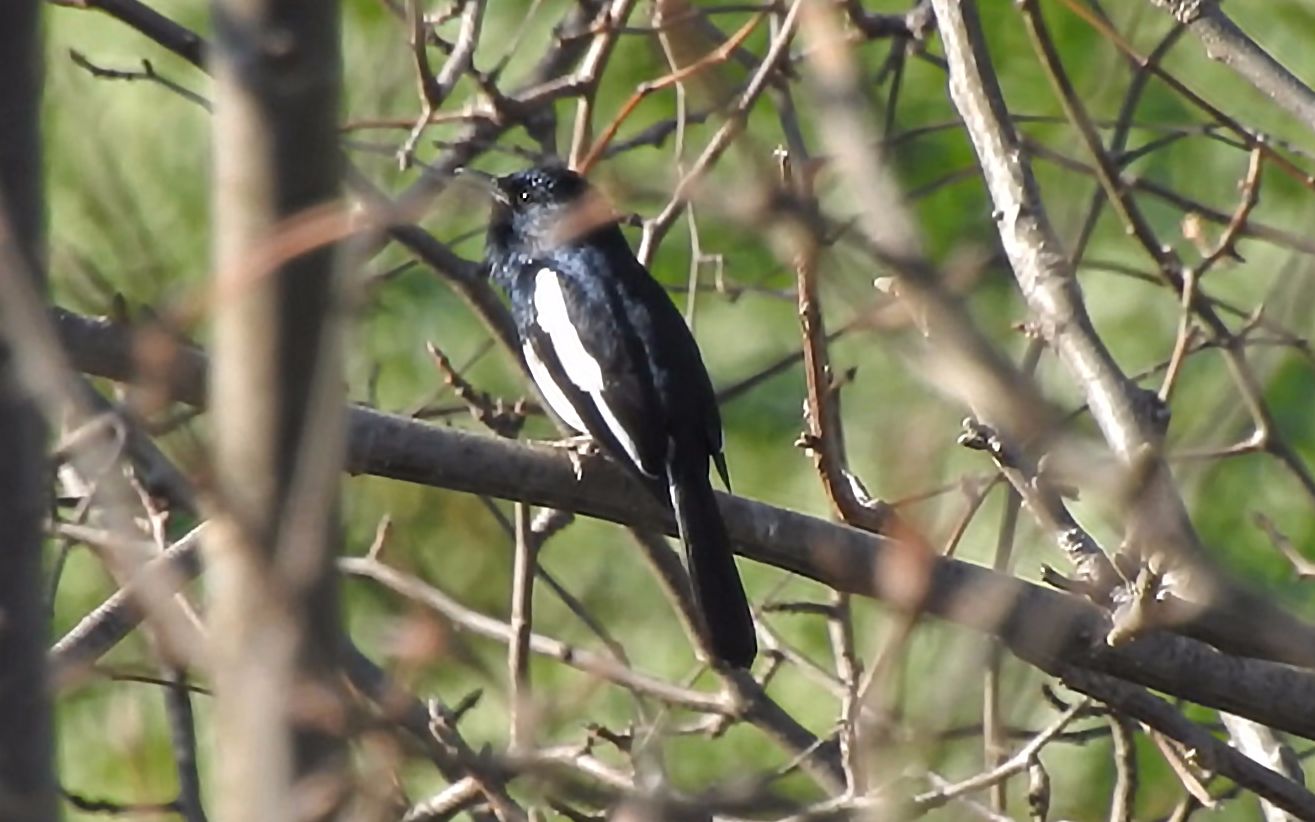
column 485, row 181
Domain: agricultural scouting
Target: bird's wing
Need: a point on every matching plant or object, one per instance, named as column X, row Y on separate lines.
column 679, row 376
column 580, row 339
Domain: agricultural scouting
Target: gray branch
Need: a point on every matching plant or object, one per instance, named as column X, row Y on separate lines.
column 1228, row 44
column 1046, row 628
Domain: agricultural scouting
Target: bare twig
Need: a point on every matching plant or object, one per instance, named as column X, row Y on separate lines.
column 492, row 412
column 1304, row 568
column 147, row 73
column 1017, row 763
column 1225, row 42
column 1201, row 746
column 482, row 625
column 719, row 55
column 1125, row 769
column 657, row 227
column 522, row 624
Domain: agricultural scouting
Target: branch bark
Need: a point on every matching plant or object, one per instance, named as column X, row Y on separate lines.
column 1129, row 418
column 1225, row 42
column 1211, row 753
column 180, row 40
column 1044, row 627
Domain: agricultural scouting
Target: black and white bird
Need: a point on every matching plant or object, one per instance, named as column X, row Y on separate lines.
column 614, row 359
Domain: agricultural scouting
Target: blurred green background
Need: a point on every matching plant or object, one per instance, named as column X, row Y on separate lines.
column 128, row 168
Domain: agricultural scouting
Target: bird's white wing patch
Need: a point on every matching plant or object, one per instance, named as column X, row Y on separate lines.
column 551, row 391
column 550, row 314
column 580, row 366
column 619, row 431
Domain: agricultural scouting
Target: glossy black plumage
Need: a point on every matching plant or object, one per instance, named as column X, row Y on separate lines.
column 614, row 358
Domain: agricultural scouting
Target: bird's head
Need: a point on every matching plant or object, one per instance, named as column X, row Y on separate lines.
column 541, row 208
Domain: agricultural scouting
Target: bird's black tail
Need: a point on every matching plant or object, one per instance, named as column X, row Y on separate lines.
column 717, row 587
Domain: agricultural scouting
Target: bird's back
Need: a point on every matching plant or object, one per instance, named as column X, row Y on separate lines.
column 680, row 379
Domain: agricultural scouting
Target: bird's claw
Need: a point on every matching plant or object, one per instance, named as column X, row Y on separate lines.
column 576, row 449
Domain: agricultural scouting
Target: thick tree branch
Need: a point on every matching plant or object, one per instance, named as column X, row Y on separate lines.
column 1225, row 42
column 1047, row 628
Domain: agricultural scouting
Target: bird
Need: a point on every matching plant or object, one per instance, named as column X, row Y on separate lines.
column 613, row 358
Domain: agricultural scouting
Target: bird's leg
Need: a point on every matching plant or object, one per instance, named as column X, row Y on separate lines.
column 577, row 447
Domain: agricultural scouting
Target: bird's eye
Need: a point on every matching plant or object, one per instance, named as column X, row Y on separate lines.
column 523, row 195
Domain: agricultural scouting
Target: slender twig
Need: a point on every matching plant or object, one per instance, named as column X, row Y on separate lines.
column 1249, row 137
column 1015, row 764
column 657, row 227
column 1203, row 747
column 1304, row 568
column 147, row 73
column 182, row 724
column 1125, row 769
column 522, row 625
column 716, row 57
column 182, row 41
column 823, row 434
column 479, row 624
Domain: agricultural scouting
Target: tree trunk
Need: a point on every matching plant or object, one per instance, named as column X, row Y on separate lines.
column 277, row 399
column 27, row 783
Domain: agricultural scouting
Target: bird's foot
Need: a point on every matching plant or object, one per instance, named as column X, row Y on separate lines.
column 576, row 448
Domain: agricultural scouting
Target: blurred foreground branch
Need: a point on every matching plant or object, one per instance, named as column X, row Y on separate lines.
column 277, row 419
column 27, row 782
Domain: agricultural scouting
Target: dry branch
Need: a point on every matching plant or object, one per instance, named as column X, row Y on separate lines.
column 1044, row 627
column 1129, row 417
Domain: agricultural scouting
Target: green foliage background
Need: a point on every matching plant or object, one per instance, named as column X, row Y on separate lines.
column 128, row 165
